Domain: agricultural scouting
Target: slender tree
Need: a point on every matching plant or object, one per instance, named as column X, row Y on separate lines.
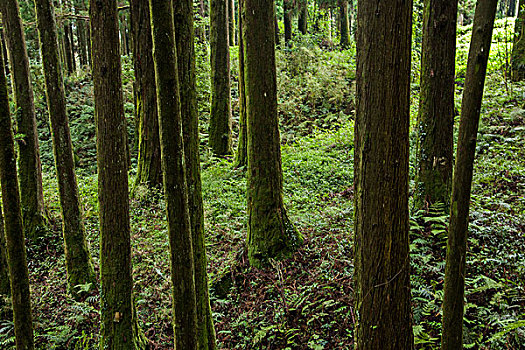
column 436, row 103
column 78, row 259
column 185, row 41
column 119, row 326
column 485, row 14
column 14, row 232
column 302, row 22
column 287, row 13
column 241, row 157
column 231, row 22
column 4, row 271
column 382, row 265
column 220, row 130
column 80, row 8
column 518, row 48
column 175, row 187
column 29, row 166
column 271, row 234
column 149, row 170
column 345, row 23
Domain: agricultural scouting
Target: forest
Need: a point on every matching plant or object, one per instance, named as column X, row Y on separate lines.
column 259, row 174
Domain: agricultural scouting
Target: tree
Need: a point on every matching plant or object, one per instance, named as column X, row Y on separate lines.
column 14, row 232
column 271, row 234
column 185, row 41
column 241, row 157
column 231, row 22
column 485, row 14
column 78, row 259
column 149, row 170
column 82, row 35
column 382, row 263
column 436, row 103
column 220, row 130
column 4, row 272
column 29, row 166
column 119, row 326
column 175, row 187
column 287, row 12
column 345, row 23
column 302, row 22
column 518, row 49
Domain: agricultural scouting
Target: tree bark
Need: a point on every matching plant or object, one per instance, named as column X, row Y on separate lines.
column 436, row 104
column 220, row 130
column 4, row 271
column 231, row 22
column 345, row 24
column 149, row 170
column 29, row 166
column 174, row 175
column 302, row 22
column 241, row 157
column 185, row 41
column 119, row 326
column 518, row 49
column 78, row 259
column 271, row 234
column 14, row 232
column 466, row 150
column 382, row 263
column 287, row 9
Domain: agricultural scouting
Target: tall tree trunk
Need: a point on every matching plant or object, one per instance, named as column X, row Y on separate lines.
column 241, row 157
column 123, row 27
column 149, row 170
column 175, row 187
column 78, row 259
column 231, row 22
column 29, row 166
column 382, row 263
column 4, row 271
column 185, row 41
column 517, row 60
column 271, row 234
column 14, row 232
column 345, row 23
column 220, row 130
column 80, row 7
column 302, row 22
column 119, row 326
column 69, row 47
column 436, row 103
column 287, row 9
column 277, row 33
column 4, row 50
column 466, row 150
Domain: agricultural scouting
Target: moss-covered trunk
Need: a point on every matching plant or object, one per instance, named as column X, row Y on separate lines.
column 29, row 166
column 344, row 23
column 382, row 264
column 149, row 170
column 185, row 38
column 517, row 59
column 174, row 175
column 287, row 13
column 271, row 234
column 78, row 259
column 4, row 271
column 455, row 273
column 436, row 104
column 231, row 23
column 241, row 157
column 119, row 326
column 220, row 130
column 302, row 21
column 14, row 232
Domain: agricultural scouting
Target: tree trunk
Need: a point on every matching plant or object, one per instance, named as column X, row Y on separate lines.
column 29, row 166
column 149, row 170
column 80, row 7
column 466, row 150
column 68, row 41
column 436, row 104
column 345, row 24
column 382, row 263
column 119, row 327
column 231, row 22
column 277, row 33
column 4, row 272
column 4, row 50
column 271, row 234
column 302, row 22
column 185, row 38
column 241, row 157
column 220, row 130
column 123, row 27
column 518, row 49
column 175, row 187
column 14, row 232
column 287, row 9
column 78, row 259
column 511, row 8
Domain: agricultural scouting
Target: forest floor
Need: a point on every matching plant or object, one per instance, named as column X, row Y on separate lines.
column 305, row 302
